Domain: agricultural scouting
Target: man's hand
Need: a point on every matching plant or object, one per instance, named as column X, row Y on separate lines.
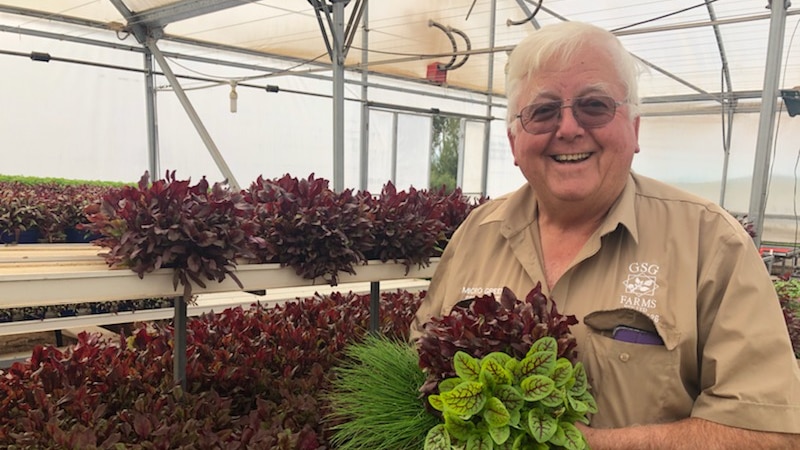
column 689, row 434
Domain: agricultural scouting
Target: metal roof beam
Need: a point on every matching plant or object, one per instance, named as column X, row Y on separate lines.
column 182, row 10
column 726, row 72
column 680, row 98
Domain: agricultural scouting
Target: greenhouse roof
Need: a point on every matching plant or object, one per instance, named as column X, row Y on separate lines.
column 701, row 56
column 694, row 49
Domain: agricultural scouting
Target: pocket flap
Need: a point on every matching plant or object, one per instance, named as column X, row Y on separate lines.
column 605, row 322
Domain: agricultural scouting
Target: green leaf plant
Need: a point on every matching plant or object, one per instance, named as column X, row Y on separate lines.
column 502, row 402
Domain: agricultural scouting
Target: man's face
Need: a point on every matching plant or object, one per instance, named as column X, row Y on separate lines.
column 574, row 163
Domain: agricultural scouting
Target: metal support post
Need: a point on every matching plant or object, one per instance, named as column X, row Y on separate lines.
column 374, row 306
column 179, row 351
column 766, row 124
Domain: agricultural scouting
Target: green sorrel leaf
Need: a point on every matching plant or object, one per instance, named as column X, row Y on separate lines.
column 495, row 413
column 500, row 435
column 555, row 399
column 457, row 427
column 480, row 442
column 436, row 402
column 536, row 387
column 581, row 381
column 562, row 372
column 541, row 426
column 587, row 398
column 437, row 439
column 544, row 344
column 537, row 363
column 510, row 396
column 493, row 370
column 449, row 383
column 500, row 357
column 577, row 405
column 466, row 367
column 466, row 399
column 574, row 439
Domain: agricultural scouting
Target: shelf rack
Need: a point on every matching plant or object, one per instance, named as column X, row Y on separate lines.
column 57, row 274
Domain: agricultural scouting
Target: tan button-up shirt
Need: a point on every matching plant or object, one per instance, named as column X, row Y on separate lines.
column 662, row 260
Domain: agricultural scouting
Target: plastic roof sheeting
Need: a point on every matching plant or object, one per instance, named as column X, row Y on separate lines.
column 684, row 52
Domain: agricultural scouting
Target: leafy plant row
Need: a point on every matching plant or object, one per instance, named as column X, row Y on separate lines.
column 203, row 231
column 788, row 290
column 45, row 212
column 296, row 376
column 255, row 379
column 81, row 309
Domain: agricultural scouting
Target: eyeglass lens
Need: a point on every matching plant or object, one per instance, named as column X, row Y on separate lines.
column 589, row 112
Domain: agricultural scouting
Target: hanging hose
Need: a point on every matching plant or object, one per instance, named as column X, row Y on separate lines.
column 441, row 66
column 510, row 22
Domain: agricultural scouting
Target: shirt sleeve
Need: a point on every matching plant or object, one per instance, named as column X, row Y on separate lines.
column 749, row 377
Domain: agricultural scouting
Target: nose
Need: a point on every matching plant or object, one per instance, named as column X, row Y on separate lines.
column 568, row 125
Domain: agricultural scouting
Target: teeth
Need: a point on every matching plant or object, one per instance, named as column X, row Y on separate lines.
column 572, row 157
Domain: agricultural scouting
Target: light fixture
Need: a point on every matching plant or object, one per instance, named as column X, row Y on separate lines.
column 791, row 98
column 234, row 96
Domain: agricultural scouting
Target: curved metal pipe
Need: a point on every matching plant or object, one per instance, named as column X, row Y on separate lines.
column 510, row 22
column 447, row 66
column 469, row 47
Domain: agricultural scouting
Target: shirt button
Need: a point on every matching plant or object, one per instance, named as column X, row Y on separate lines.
column 624, row 357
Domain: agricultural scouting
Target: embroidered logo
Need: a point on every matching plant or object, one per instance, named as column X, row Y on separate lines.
column 639, row 285
column 640, row 288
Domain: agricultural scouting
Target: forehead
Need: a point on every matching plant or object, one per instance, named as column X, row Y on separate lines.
column 590, row 70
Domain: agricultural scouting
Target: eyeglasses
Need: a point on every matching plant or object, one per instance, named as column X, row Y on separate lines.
column 592, row 111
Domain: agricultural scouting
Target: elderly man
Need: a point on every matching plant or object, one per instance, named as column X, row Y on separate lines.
column 680, row 330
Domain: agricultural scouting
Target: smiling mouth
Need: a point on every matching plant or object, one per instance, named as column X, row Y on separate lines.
column 573, row 158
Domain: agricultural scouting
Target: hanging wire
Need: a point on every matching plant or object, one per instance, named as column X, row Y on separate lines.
column 470, row 9
column 224, row 81
column 688, row 8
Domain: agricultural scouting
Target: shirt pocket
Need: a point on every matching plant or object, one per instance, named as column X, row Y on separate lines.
column 633, row 383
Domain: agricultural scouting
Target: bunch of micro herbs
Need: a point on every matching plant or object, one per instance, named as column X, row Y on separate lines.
column 503, row 374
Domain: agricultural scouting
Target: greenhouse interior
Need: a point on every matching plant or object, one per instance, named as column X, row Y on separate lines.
column 394, row 110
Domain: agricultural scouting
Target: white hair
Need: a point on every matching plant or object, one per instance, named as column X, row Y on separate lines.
column 562, row 40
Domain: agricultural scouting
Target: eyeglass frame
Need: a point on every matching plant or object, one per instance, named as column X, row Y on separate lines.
column 562, row 104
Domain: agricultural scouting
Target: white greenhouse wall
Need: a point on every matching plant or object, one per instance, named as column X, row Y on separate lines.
column 75, row 121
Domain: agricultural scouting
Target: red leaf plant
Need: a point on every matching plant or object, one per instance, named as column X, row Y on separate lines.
column 486, row 325
column 200, row 232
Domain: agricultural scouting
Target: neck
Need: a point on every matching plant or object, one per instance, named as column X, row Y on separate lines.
column 573, row 217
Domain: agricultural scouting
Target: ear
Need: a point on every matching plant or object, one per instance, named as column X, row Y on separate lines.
column 511, row 143
column 636, row 132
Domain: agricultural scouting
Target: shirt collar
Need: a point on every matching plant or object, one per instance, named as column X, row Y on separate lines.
column 623, row 211
column 520, row 209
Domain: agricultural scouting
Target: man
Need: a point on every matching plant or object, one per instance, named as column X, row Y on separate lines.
column 680, row 330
